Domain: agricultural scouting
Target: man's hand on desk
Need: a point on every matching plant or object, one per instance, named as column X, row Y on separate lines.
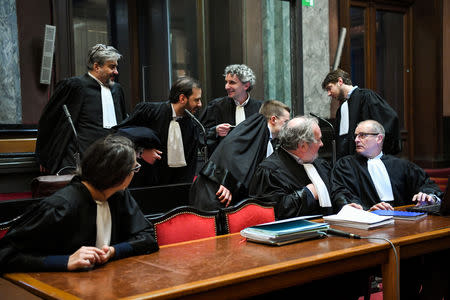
column 423, row 199
column 355, row 205
column 382, row 206
column 87, row 257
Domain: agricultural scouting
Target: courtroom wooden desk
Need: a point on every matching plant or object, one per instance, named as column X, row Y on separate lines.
column 229, row 267
column 214, row 268
column 411, row 238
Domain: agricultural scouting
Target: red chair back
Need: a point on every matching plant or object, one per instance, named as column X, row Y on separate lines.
column 439, row 176
column 248, row 213
column 183, row 224
column 3, row 231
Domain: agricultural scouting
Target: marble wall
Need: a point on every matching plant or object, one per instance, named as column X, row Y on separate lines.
column 316, row 58
column 10, row 99
column 276, row 50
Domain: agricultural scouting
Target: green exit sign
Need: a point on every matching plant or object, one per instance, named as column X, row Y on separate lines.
column 308, row 2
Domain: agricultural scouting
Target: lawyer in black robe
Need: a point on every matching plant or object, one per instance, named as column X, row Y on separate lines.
column 223, row 110
column 280, row 179
column 351, row 182
column 53, row 229
column 232, row 164
column 365, row 104
column 157, row 116
column 56, row 144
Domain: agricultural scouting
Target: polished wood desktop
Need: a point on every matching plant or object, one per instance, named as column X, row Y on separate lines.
column 230, row 267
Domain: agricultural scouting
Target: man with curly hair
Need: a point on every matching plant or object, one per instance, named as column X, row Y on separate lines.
column 223, row 114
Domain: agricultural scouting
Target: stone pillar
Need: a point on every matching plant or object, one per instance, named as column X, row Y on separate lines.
column 316, row 58
column 10, row 98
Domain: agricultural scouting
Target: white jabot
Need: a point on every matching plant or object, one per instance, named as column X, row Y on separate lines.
column 380, row 178
column 240, row 110
column 324, row 197
column 240, row 114
column 108, row 110
column 103, row 224
column 269, row 145
column 343, row 125
column 175, row 148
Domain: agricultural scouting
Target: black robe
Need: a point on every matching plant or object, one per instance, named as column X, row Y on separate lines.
column 232, row 164
column 157, row 116
column 223, row 110
column 351, row 182
column 280, row 179
column 56, row 227
column 365, row 104
column 55, row 144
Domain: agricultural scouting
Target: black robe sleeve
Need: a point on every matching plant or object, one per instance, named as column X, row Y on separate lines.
column 232, row 164
column 134, row 235
column 408, row 179
column 51, row 144
column 347, row 185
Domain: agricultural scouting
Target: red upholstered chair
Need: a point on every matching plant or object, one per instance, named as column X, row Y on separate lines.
column 184, row 223
column 440, row 176
column 248, row 212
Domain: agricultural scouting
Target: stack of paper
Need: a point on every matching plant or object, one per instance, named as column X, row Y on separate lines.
column 401, row 215
column 358, row 218
column 285, row 231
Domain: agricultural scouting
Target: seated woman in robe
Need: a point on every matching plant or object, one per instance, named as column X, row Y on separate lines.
column 147, row 145
column 89, row 222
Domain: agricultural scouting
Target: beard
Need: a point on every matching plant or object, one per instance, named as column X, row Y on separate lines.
column 341, row 96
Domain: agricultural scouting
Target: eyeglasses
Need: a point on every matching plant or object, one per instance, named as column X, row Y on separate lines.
column 363, row 135
column 136, row 169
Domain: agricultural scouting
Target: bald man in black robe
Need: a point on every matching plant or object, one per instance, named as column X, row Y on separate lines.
column 405, row 182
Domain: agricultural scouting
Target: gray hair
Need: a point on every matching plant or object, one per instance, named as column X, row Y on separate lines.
column 376, row 126
column 296, row 131
column 244, row 73
column 100, row 54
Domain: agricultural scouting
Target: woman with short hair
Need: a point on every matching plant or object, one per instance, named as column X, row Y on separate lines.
column 89, row 222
